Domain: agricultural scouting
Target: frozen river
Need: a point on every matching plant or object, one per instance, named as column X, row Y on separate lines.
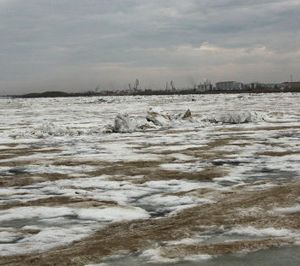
column 189, row 191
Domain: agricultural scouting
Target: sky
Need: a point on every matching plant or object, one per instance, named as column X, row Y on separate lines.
column 77, row 45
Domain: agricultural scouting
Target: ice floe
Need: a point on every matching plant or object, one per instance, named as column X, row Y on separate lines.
column 161, row 118
column 122, row 124
column 156, row 118
column 237, row 117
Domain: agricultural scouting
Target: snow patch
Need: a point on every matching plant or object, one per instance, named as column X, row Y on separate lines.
column 155, row 256
column 288, row 210
column 49, row 129
column 51, row 223
column 46, row 239
column 184, row 167
column 260, row 232
column 113, row 214
column 34, row 212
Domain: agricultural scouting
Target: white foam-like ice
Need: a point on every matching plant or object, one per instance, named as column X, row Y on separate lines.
column 288, row 210
column 47, row 238
column 50, row 224
column 34, row 212
column 260, row 232
column 112, row 214
column 184, row 167
column 154, row 256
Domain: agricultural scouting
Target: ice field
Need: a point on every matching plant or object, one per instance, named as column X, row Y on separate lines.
column 165, row 187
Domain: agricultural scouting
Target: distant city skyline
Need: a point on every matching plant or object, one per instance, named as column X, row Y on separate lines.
column 77, row 45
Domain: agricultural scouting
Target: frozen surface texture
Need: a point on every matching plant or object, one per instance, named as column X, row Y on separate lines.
column 237, row 117
column 184, row 179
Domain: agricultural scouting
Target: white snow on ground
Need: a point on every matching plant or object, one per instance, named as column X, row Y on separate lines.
column 252, row 231
column 47, row 238
column 155, row 256
column 186, row 241
column 56, row 227
column 198, row 257
column 34, row 212
column 293, row 235
column 288, row 210
column 102, row 189
column 112, row 214
column 182, row 157
column 51, row 169
column 173, row 202
column 7, row 237
column 105, row 214
column 184, row 167
column 74, row 128
column 98, row 188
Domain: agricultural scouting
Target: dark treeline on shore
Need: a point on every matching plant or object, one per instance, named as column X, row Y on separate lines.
column 52, row 94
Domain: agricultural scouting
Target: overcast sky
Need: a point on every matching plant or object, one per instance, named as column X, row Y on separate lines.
column 80, row 44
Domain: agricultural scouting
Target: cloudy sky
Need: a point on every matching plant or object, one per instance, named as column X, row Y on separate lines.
column 80, row 44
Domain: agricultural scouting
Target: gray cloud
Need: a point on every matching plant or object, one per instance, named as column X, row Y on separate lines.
column 78, row 44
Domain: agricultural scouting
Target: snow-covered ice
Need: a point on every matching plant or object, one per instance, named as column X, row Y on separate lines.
column 62, row 177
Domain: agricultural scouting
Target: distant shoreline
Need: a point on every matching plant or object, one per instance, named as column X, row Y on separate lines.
column 62, row 94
